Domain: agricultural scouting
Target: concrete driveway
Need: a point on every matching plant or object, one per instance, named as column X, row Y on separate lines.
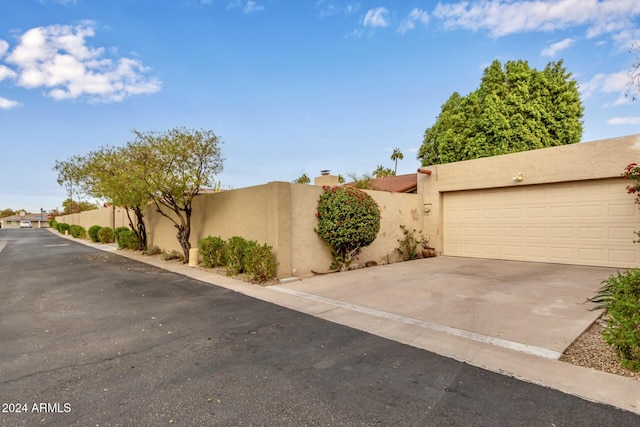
column 536, row 308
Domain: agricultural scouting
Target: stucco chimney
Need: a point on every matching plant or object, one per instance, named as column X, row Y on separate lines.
column 326, row 178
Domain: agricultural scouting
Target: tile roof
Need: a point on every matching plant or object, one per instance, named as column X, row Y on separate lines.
column 396, row 184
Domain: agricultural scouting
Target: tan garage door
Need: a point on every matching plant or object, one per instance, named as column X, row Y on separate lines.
column 586, row 223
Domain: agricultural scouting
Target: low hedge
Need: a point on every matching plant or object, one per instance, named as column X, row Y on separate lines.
column 106, row 235
column 77, row 231
column 93, row 233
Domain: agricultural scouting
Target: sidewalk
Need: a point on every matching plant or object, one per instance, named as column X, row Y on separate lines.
column 515, row 321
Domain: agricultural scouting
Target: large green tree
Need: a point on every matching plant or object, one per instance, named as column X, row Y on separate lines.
column 516, row 108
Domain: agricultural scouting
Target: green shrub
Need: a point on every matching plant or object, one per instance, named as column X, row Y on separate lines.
column 62, row 227
column 213, row 251
column 620, row 295
column 93, row 233
column 410, row 245
column 259, row 262
column 126, row 238
column 77, row 231
column 236, row 249
column 53, row 223
column 348, row 221
column 105, row 235
column 172, row 255
column 152, row 250
column 119, row 230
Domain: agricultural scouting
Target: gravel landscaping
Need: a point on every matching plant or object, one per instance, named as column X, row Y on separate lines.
column 591, row 351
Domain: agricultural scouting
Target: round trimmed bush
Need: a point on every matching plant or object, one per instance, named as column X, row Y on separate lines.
column 105, row 235
column 348, row 221
column 126, row 238
column 93, row 233
column 77, row 231
column 62, row 227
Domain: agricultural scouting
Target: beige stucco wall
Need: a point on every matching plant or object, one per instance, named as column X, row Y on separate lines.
column 569, row 163
column 103, row 217
column 282, row 215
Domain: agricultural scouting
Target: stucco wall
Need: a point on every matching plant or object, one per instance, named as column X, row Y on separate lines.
column 103, row 216
column 569, row 163
column 282, row 215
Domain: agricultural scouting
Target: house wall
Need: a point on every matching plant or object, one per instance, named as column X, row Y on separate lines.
column 579, row 163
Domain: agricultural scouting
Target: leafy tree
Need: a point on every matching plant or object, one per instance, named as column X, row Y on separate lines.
column 116, row 174
column 516, row 108
column 302, row 179
column 69, row 172
column 381, row 172
column 71, row 206
column 8, row 212
column 364, row 182
column 395, row 156
column 179, row 163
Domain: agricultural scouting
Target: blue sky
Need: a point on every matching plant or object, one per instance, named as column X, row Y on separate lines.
column 290, row 86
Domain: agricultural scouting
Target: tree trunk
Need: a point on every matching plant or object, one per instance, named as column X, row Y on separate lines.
column 183, row 238
column 141, row 230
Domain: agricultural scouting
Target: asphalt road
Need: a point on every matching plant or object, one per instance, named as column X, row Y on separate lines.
column 91, row 338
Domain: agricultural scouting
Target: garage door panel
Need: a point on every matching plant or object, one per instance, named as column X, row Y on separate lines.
column 620, row 210
column 589, row 223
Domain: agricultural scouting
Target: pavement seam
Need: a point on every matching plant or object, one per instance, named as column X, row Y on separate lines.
column 511, row 345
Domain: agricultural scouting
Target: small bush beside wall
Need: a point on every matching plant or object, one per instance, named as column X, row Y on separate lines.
column 213, row 251
column 93, row 233
column 239, row 256
column 62, row 227
column 105, row 235
column 236, row 249
column 125, row 238
column 259, row 263
column 77, row 231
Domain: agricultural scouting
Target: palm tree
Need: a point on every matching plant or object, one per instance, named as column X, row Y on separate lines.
column 395, row 156
column 381, row 172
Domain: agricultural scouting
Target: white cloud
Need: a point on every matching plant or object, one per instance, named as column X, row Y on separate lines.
column 557, row 47
column 608, row 83
column 409, row 24
column 356, row 34
column 7, row 104
column 503, row 17
column 4, row 47
column 624, row 121
column 330, row 8
column 6, row 73
column 57, row 58
column 247, row 7
column 377, row 17
column 251, row 7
